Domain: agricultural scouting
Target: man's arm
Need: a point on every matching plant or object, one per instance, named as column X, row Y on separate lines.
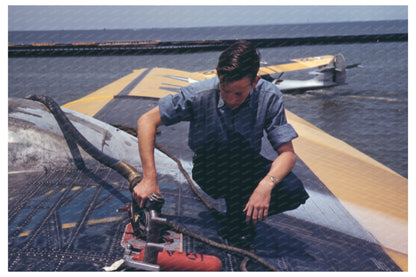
column 258, row 205
column 146, row 132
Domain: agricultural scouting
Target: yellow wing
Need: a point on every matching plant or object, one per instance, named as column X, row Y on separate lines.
column 297, row 64
column 155, row 83
column 159, row 82
column 372, row 193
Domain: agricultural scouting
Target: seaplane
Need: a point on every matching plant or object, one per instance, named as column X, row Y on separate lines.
column 328, row 71
column 70, row 208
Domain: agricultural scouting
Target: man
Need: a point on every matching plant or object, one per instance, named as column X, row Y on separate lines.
column 228, row 116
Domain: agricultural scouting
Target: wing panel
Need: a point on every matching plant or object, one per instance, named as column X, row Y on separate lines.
column 160, row 82
column 95, row 101
column 371, row 192
column 297, row 64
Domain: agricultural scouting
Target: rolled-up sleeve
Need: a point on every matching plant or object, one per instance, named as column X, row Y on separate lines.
column 176, row 108
column 278, row 130
column 281, row 134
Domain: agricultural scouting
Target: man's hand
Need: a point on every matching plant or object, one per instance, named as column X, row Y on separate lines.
column 146, row 132
column 257, row 206
column 143, row 189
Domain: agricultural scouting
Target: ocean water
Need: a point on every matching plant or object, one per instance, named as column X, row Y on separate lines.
column 370, row 112
column 208, row 33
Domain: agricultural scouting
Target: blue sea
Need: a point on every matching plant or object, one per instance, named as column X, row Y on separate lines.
column 370, row 112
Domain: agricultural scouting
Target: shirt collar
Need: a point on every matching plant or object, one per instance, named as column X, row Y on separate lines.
column 221, row 103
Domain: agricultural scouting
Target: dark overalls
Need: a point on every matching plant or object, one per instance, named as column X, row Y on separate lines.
column 234, row 171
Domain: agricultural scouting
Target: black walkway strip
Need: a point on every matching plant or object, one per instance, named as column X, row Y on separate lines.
column 134, row 83
column 124, row 92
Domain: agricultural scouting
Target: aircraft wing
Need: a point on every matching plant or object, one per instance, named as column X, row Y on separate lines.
column 145, row 82
column 297, row 64
column 62, row 218
column 159, row 82
column 147, row 85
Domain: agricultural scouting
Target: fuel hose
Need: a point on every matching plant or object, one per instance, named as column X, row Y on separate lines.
column 133, row 176
column 126, row 170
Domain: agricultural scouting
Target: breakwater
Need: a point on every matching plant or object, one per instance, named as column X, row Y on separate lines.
column 168, row 47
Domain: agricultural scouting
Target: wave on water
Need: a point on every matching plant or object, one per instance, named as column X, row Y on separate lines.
column 378, row 98
column 326, row 93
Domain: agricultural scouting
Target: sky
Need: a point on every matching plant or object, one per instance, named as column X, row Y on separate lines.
column 75, row 16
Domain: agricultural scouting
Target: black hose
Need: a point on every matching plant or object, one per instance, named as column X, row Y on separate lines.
column 189, row 180
column 131, row 174
column 239, row 251
column 243, row 264
column 214, row 212
column 126, row 170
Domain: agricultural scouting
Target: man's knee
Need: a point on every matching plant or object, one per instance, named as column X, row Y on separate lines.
column 288, row 195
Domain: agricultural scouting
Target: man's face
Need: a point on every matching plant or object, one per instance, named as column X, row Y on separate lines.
column 235, row 93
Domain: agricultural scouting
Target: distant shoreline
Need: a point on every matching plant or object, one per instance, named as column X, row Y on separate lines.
column 141, row 47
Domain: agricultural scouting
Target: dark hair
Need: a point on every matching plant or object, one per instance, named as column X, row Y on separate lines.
column 238, row 61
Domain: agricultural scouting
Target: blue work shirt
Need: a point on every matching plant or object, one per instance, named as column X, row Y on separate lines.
column 211, row 120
